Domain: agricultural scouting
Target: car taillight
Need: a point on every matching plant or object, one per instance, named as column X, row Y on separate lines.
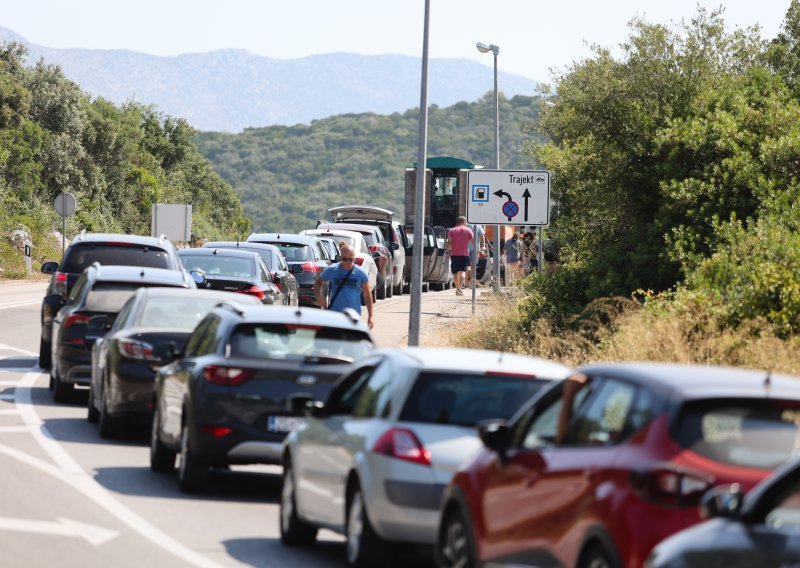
column 402, row 444
column 75, row 319
column 253, row 291
column 309, row 267
column 374, row 248
column 670, row 485
column 230, row 376
column 216, row 431
column 360, row 260
column 60, row 284
column 134, row 349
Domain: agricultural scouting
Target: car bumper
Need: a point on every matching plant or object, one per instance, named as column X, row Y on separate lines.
column 75, row 365
column 131, row 389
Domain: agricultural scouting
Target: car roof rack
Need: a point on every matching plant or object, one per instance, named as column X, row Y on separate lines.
column 228, row 305
column 352, row 315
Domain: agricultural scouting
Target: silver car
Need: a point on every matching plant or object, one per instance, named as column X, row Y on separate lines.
column 372, row 462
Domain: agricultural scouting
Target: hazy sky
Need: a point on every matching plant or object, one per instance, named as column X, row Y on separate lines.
column 534, row 36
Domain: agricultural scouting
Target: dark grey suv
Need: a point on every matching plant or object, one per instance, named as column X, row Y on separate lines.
column 107, row 249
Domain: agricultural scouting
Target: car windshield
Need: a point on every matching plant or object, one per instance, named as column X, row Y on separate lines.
column 219, row 265
column 293, row 252
column 81, row 256
column 750, row 433
column 464, row 399
column 370, row 238
column 311, row 343
column 175, row 312
column 109, row 296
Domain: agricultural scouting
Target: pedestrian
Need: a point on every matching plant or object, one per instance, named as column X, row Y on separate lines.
column 530, row 249
column 458, row 239
column 479, row 235
column 348, row 284
column 513, row 258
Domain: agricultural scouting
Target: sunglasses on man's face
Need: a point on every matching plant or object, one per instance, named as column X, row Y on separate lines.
column 347, row 259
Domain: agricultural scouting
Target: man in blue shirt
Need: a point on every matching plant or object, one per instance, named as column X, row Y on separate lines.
column 348, row 282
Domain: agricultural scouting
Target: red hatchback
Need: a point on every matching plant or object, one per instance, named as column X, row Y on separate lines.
column 601, row 467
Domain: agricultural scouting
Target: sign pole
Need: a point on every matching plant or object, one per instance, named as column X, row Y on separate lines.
column 63, row 223
column 541, row 256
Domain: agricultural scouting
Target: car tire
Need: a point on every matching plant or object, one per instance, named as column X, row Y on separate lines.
column 162, row 458
column 62, row 392
column 596, row 557
column 45, row 354
column 294, row 532
column 381, row 291
column 107, row 425
column 92, row 414
column 193, row 469
column 407, row 288
column 363, row 545
column 389, row 290
column 454, row 547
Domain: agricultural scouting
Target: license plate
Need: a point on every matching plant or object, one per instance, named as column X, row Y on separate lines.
column 284, row 423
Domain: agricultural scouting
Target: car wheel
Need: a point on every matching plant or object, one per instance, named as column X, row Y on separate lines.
column 364, row 546
column 294, row 532
column 454, row 548
column 162, row 458
column 92, row 414
column 45, row 355
column 389, row 290
column 407, row 288
column 62, row 392
column 193, row 470
column 381, row 291
column 107, row 425
column 596, row 557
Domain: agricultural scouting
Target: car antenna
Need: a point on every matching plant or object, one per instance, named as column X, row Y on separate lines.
column 768, row 379
column 141, row 274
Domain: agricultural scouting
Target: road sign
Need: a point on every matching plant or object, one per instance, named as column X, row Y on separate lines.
column 508, row 197
column 65, row 204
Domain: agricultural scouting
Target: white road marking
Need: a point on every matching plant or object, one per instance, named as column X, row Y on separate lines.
column 83, row 482
column 62, row 527
column 18, row 350
column 18, row 304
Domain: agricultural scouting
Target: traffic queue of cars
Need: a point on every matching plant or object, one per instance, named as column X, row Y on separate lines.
column 484, row 458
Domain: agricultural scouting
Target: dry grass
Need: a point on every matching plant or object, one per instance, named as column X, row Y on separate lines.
column 618, row 329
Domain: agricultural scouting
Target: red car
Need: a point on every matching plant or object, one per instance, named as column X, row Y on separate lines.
column 597, row 470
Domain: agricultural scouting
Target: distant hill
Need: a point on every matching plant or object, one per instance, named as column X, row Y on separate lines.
column 288, row 177
column 229, row 90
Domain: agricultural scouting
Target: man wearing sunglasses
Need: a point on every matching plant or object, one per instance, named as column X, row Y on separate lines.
column 348, row 283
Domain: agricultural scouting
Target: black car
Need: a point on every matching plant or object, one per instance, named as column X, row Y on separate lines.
column 100, row 291
column 229, row 270
column 107, row 249
column 759, row 529
column 276, row 264
column 227, row 397
column 306, row 257
column 123, row 361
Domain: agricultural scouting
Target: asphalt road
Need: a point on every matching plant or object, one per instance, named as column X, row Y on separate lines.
column 73, row 499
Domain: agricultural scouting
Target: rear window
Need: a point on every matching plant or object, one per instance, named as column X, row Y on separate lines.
column 81, row 256
column 464, row 399
column 175, row 313
column 219, row 265
column 109, row 296
column 292, row 253
column 299, row 342
column 370, row 238
column 750, row 433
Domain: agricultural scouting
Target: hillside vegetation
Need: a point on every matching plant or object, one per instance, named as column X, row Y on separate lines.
column 678, row 177
column 116, row 160
column 289, row 176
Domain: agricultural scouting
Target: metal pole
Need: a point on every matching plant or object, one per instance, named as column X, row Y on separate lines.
column 474, row 261
column 63, row 222
column 497, row 251
column 541, row 256
column 419, row 196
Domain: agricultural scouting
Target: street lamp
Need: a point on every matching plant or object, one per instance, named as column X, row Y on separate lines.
column 483, row 48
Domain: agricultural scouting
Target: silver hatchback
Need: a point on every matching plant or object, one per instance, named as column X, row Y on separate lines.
column 372, row 462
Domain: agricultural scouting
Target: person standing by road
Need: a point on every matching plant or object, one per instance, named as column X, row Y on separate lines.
column 348, row 283
column 479, row 235
column 458, row 239
column 513, row 258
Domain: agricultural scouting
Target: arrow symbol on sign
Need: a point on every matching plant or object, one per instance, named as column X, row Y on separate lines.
column 526, row 196
column 61, row 527
column 501, row 193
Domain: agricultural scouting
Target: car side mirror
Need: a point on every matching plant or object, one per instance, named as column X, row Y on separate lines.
column 299, row 403
column 198, row 277
column 50, row 267
column 337, row 258
column 722, row 501
column 54, row 301
column 394, row 246
column 166, row 352
column 98, row 323
column 494, row 434
column 276, row 279
column 376, row 254
column 316, row 409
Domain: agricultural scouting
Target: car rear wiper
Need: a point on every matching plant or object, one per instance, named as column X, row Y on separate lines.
column 327, row 359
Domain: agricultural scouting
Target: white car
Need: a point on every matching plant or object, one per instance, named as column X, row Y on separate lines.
column 373, row 460
column 356, row 240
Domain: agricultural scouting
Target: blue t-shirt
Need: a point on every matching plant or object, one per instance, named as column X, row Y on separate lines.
column 350, row 294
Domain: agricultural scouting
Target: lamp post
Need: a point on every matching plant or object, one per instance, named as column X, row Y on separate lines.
column 483, row 48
